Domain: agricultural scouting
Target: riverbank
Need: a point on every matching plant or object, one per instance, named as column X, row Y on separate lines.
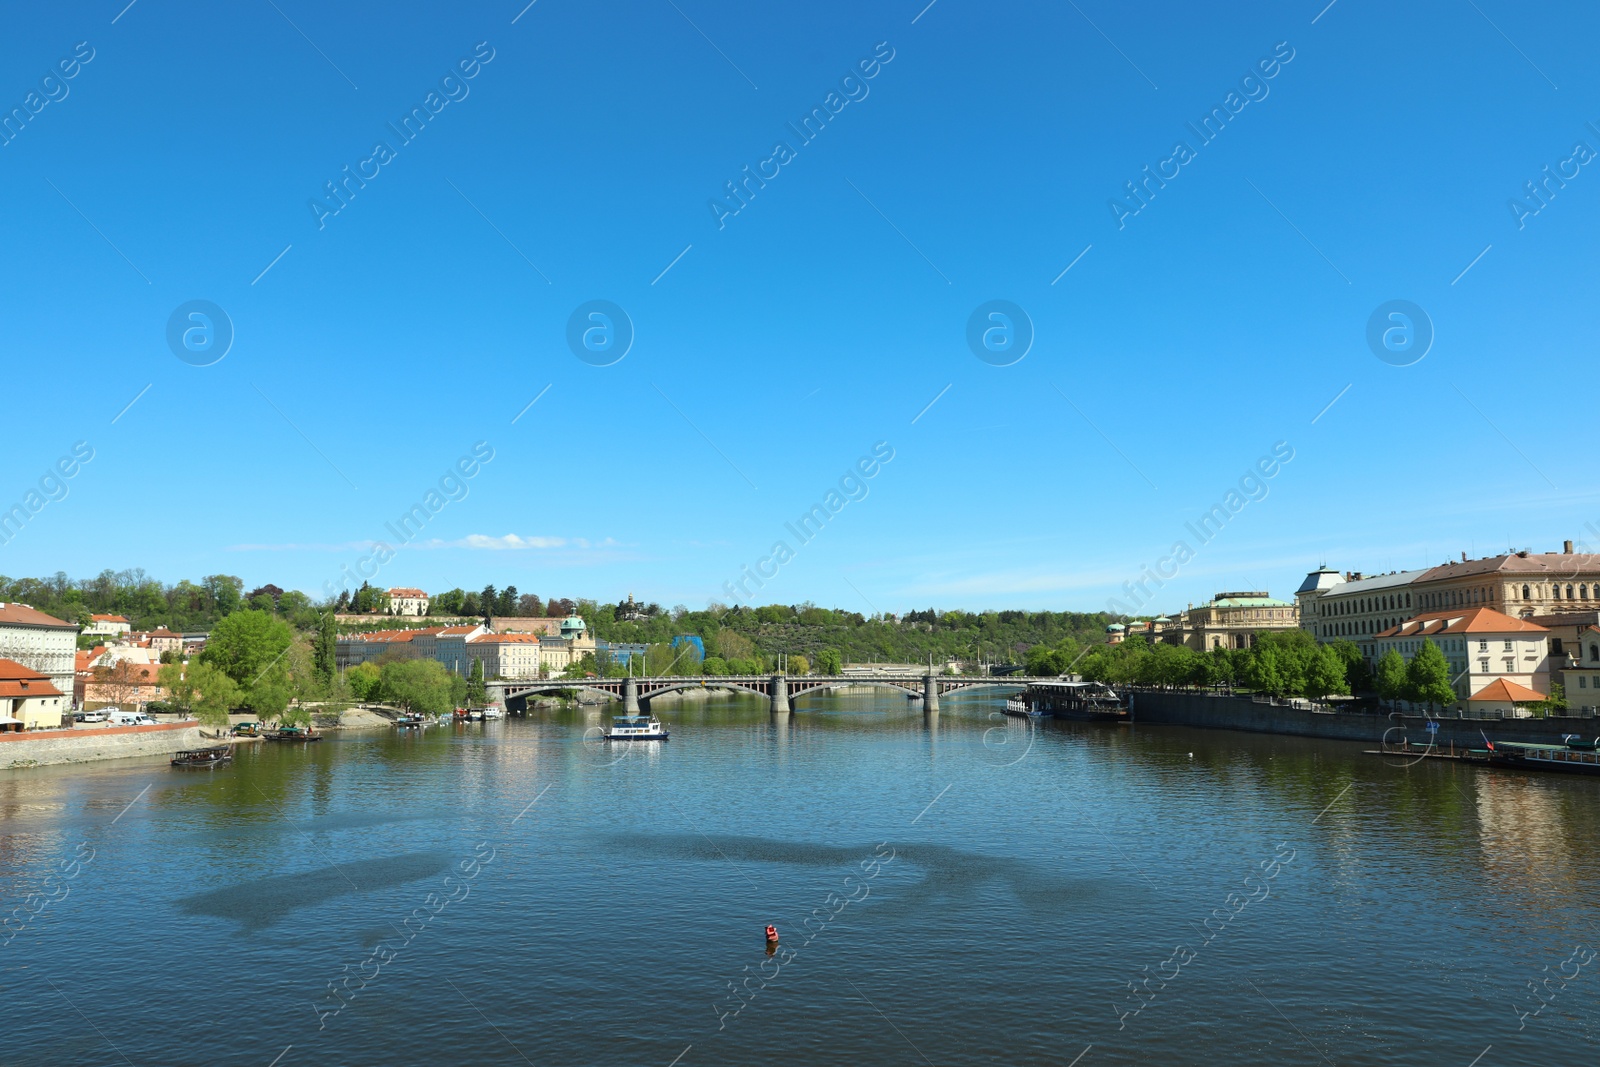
column 1217, row 711
column 46, row 748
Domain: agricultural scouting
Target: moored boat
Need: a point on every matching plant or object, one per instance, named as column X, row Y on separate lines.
column 410, row 722
column 1022, row 709
column 1574, row 757
column 1077, row 700
column 636, row 728
column 292, row 733
column 204, row 757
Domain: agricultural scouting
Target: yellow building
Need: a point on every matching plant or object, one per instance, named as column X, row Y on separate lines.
column 1228, row 620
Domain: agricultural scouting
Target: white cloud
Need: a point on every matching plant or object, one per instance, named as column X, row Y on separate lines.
column 516, row 543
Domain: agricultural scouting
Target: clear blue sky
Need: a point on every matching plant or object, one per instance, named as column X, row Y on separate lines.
column 822, row 318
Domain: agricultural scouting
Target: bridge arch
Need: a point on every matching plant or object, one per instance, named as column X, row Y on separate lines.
column 702, row 683
column 848, row 683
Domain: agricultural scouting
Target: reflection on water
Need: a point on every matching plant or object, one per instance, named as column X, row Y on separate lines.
column 1038, row 867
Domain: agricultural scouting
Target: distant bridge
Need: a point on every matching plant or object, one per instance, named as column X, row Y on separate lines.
column 779, row 689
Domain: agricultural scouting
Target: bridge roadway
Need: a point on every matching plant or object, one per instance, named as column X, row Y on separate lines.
column 780, row 690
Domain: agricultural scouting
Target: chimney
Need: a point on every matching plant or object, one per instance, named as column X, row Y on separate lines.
column 1566, row 548
column 1463, row 557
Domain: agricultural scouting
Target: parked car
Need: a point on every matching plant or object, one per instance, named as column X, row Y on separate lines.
column 91, row 716
column 119, row 717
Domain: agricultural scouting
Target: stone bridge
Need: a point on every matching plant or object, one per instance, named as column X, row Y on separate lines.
column 780, row 690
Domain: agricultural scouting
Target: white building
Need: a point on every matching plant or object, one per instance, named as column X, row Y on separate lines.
column 408, row 601
column 1495, row 660
column 446, row 644
column 108, row 625
column 39, row 641
column 1352, row 607
column 516, row 656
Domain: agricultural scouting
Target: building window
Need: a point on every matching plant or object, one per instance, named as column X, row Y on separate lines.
column 1525, row 593
column 1483, row 665
column 1583, row 683
column 1594, row 652
column 1511, row 665
column 1569, row 590
column 1583, row 592
column 1509, row 645
column 1483, row 644
column 1555, row 646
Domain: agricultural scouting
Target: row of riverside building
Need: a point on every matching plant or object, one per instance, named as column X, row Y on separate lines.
column 1510, row 625
column 511, row 648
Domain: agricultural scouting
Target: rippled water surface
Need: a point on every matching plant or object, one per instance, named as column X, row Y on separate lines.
column 951, row 889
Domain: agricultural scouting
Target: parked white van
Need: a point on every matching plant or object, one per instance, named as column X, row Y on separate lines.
column 126, row 718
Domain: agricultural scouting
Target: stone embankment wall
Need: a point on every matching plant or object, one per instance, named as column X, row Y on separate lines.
column 1220, row 712
column 42, row 748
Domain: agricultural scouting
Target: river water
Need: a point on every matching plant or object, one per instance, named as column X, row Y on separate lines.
column 959, row 888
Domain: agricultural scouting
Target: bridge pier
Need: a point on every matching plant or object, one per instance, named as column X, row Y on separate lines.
column 630, row 696
column 780, row 694
column 930, row 692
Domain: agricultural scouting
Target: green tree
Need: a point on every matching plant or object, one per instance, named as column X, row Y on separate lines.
column 204, row 691
column 1279, row 662
column 246, row 644
column 364, row 680
column 476, row 692
column 799, row 665
column 1264, row 671
column 828, row 662
column 418, row 685
column 1555, row 703
column 1327, row 676
column 1042, row 661
column 1390, row 679
column 1220, row 667
column 1428, row 677
column 1358, row 677
column 714, row 665
column 324, row 650
column 224, row 591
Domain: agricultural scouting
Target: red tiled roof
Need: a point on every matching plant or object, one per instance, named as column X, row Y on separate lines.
column 22, row 615
column 453, row 630
column 407, row 592
column 508, row 639
column 1505, row 690
column 396, row 635
column 1462, row 621
column 109, row 618
column 19, row 681
column 1561, row 564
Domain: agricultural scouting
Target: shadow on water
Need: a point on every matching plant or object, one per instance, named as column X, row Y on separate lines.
column 261, row 903
column 281, row 826
column 947, row 873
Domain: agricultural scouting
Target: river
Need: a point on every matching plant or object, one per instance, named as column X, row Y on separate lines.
column 960, row 888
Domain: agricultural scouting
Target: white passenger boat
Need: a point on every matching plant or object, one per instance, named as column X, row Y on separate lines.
column 1023, row 709
column 636, row 728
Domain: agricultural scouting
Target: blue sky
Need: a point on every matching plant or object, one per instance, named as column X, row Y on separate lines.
column 773, row 351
